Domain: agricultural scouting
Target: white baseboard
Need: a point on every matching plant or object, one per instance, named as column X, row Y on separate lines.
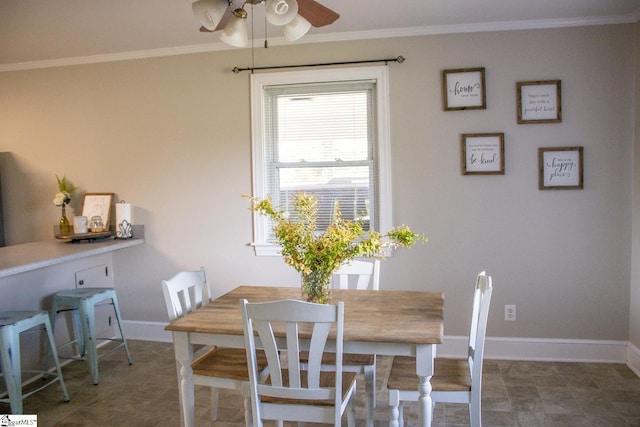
column 541, row 349
column 146, row 331
column 633, row 359
column 537, row 349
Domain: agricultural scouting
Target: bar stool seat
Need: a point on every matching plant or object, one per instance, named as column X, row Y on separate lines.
column 12, row 325
column 82, row 302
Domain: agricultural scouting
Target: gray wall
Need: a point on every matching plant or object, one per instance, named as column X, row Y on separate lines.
column 1, row 220
column 634, row 318
column 172, row 136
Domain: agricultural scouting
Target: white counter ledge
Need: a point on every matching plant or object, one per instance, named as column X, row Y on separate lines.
column 17, row 259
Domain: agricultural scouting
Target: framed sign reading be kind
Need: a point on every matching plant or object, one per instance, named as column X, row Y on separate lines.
column 482, row 153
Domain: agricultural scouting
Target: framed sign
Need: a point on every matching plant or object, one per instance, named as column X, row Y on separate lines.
column 98, row 204
column 561, row 168
column 539, row 102
column 463, row 89
column 482, row 153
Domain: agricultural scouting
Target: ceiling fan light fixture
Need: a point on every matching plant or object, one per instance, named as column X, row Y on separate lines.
column 240, row 13
column 209, row 12
column 297, row 28
column 281, row 12
column 236, row 32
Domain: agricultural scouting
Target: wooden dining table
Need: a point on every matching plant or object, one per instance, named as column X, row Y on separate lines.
column 390, row 323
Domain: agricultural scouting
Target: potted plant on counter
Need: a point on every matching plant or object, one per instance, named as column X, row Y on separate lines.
column 62, row 198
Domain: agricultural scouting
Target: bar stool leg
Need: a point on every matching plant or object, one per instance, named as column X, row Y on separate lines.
column 12, row 369
column 88, row 318
column 78, row 330
column 53, row 314
column 116, row 309
column 76, row 325
column 54, row 352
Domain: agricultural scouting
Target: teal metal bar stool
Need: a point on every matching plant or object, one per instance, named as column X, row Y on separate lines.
column 82, row 303
column 12, row 325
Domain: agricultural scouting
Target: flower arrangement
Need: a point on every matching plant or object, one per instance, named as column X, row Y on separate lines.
column 65, row 191
column 318, row 255
column 62, row 198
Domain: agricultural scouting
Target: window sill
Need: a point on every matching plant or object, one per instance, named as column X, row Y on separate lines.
column 266, row 249
column 270, row 249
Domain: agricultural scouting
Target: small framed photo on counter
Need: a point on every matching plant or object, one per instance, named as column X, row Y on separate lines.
column 482, row 153
column 98, row 204
column 561, row 168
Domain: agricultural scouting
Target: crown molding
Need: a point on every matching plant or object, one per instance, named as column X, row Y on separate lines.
column 334, row 37
column 113, row 57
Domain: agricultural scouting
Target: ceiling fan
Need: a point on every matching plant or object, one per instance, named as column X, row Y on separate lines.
column 294, row 16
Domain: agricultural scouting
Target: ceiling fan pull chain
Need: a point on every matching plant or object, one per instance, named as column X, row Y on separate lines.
column 266, row 42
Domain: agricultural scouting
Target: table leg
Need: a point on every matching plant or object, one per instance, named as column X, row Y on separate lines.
column 394, row 402
column 184, row 356
column 425, row 356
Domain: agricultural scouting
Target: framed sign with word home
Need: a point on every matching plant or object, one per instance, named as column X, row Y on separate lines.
column 561, row 168
column 463, row 89
column 539, row 102
column 482, row 153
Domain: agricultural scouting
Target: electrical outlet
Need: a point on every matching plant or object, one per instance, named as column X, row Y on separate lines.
column 510, row 313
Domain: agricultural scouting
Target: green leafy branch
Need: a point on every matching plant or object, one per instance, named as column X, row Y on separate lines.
column 308, row 251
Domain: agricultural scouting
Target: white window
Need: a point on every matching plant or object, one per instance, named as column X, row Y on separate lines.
column 324, row 132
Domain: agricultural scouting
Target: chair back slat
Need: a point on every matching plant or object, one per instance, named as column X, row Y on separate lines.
column 478, row 330
column 316, row 350
column 293, row 348
column 365, row 274
column 271, row 351
column 185, row 292
column 478, row 354
column 475, row 309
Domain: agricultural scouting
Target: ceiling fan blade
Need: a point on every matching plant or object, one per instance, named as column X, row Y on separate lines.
column 317, row 14
column 233, row 5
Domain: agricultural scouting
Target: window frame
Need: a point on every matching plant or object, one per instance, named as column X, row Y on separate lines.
column 383, row 144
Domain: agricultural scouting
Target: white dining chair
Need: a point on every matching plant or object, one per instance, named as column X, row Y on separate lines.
column 185, row 292
column 454, row 380
column 291, row 392
column 360, row 275
column 218, row 367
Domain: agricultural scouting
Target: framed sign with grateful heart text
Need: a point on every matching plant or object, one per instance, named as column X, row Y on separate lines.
column 539, row 102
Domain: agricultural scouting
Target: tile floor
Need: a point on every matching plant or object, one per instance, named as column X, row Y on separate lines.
column 514, row 394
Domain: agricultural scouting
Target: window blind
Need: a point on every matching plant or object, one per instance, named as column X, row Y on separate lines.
column 320, row 139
